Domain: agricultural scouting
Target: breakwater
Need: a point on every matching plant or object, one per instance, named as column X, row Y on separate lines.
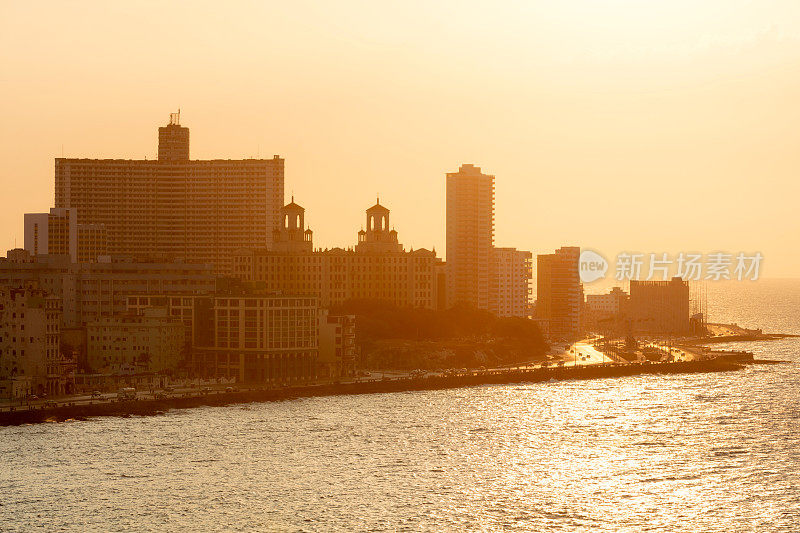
column 493, row 377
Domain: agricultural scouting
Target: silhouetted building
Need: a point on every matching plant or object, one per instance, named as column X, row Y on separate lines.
column 196, row 210
column 659, row 307
column 470, row 236
column 376, row 268
column 559, row 293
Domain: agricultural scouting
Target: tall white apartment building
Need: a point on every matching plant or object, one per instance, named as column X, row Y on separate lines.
column 470, row 236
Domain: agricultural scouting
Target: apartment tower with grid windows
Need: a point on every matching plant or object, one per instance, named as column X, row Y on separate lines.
column 196, row 210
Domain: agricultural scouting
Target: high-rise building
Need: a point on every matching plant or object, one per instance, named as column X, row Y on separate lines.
column 511, row 272
column 377, row 268
column 470, row 236
column 197, row 210
column 559, row 293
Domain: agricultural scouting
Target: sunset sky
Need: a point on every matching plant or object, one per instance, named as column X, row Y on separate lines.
column 651, row 126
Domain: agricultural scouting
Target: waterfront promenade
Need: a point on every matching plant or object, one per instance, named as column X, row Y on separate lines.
column 220, row 397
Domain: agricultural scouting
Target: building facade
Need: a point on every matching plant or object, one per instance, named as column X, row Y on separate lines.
column 337, row 345
column 470, row 236
column 150, row 341
column 197, row 210
column 95, row 290
column 659, row 307
column 30, row 335
column 606, row 313
column 53, row 233
column 377, row 267
column 559, row 293
column 260, row 338
column 511, row 272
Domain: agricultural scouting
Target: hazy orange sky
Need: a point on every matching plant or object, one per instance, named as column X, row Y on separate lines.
column 652, row 126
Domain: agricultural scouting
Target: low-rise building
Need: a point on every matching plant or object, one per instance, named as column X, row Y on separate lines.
column 151, row 341
column 91, row 291
column 606, row 313
column 262, row 338
column 30, row 358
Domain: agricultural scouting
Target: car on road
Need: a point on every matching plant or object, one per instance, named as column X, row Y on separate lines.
column 126, row 393
column 96, row 394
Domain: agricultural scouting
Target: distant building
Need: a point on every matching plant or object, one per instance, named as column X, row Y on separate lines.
column 470, row 236
column 606, row 313
column 337, row 345
column 559, row 293
column 377, row 267
column 659, row 307
column 148, row 342
column 53, row 233
column 511, row 273
column 196, row 210
column 58, row 233
column 606, row 305
column 30, row 335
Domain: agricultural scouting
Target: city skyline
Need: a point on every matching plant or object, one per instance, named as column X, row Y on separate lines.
column 611, row 158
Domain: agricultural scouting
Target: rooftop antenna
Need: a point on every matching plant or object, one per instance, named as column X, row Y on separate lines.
column 175, row 118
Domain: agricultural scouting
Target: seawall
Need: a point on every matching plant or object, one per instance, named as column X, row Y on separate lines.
column 153, row 407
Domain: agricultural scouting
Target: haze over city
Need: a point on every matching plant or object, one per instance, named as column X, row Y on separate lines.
column 616, row 126
column 371, row 266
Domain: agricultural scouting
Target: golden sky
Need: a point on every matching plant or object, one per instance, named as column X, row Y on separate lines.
column 649, row 125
